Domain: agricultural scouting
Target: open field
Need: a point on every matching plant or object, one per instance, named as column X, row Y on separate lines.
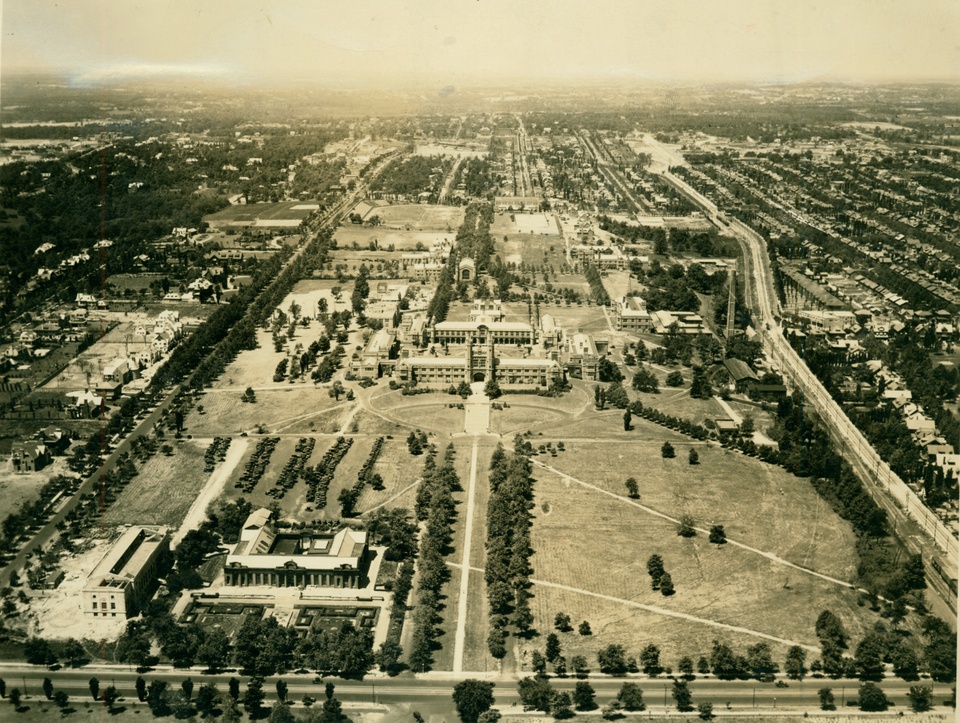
column 165, row 488
column 18, row 489
column 677, row 400
column 308, row 293
column 247, row 213
column 530, row 412
column 281, row 408
column 759, row 505
column 539, row 247
column 544, row 224
column 401, row 240
column 429, row 412
column 399, row 470
column 419, row 217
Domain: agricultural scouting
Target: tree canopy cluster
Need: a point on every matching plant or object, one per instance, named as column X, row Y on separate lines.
column 508, row 545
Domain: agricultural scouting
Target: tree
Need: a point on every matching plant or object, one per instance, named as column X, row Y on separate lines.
column 560, row 705
column 667, row 451
column 281, row 690
column 489, row 716
column 37, row 651
column 61, row 699
column 828, row 626
column 94, row 685
column 233, row 688
column 906, row 664
column 579, row 665
column 761, row 662
column 253, row 698
column 631, row 697
column 626, row 421
column 158, row 698
column 15, row 698
column 281, row 714
column 612, row 659
column 921, row 698
column 73, row 652
column 141, row 688
column 633, row 489
column 472, row 697
column 681, row 696
column 584, row 628
column 674, row 379
column 645, row 381
column 492, row 389
column 583, row 696
column 655, row 569
column 611, row 711
column 231, row 712
column 693, row 457
column 110, row 695
column 3, row 688
column 666, row 585
column 535, row 693
column 869, row 657
column 208, row 697
column 553, row 647
column 685, row 528
column 181, row 707
column 538, row 663
column 685, row 666
column 187, row 687
column 700, row 387
column 562, row 623
column 48, row 688
column 650, row 661
column 214, row 651
column 872, row 698
column 717, row 535
column 795, row 662
column 705, row 710
column 388, row 657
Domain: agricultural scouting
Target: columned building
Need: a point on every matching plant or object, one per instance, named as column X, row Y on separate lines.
column 267, row 557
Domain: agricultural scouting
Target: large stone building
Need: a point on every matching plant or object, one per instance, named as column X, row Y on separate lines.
column 632, row 314
column 268, row 557
column 479, row 362
column 127, row 576
column 500, row 332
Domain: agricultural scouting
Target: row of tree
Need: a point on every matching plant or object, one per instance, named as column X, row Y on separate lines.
column 436, row 507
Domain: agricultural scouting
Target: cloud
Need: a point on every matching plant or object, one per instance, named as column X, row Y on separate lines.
column 123, row 72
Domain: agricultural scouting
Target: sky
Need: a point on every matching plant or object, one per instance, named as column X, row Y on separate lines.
column 428, row 42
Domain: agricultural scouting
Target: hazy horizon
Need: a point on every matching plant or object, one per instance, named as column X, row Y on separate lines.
column 472, row 43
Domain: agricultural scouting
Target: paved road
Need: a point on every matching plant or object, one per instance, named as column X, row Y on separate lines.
column 437, row 688
column 914, row 523
column 49, row 530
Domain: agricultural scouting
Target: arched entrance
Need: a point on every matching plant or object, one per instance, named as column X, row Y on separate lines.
column 465, row 274
column 478, row 377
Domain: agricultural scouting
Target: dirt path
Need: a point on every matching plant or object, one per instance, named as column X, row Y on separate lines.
column 198, row 510
column 649, row 510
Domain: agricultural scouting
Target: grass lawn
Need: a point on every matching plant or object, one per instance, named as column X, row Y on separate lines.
column 759, row 505
column 363, row 236
column 280, row 409
column 399, row 469
column 165, row 488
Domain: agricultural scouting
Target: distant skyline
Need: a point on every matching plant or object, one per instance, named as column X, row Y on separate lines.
column 470, row 42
